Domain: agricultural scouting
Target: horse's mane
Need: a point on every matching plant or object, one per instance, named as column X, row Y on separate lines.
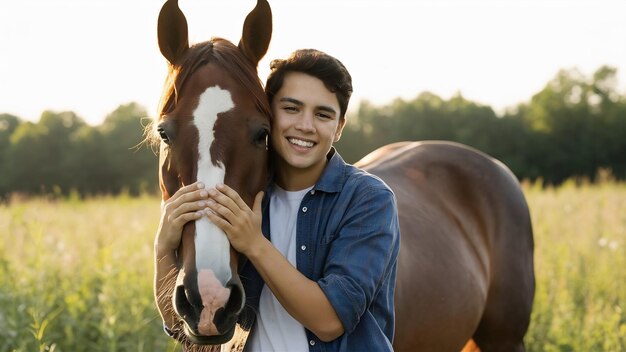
column 218, row 51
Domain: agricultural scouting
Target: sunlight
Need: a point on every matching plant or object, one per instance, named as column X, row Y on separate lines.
column 90, row 57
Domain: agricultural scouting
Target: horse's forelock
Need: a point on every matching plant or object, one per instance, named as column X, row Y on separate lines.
column 230, row 57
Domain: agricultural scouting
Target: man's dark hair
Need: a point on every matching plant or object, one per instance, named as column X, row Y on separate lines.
column 315, row 63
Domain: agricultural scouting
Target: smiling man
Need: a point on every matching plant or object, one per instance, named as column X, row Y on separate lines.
column 307, row 121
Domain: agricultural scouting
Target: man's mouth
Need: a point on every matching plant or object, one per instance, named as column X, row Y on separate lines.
column 300, row 142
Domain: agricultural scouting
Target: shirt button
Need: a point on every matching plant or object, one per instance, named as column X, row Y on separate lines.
column 304, row 209
column 304, row 249
column 312, row 342
column 312, row 192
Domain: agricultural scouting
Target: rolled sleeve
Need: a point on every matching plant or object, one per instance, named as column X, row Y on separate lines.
column 361, row 255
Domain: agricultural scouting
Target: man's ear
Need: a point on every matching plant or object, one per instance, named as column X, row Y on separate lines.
column 342, row 124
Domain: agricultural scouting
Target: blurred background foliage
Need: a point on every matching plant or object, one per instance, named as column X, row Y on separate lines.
column 573, row 127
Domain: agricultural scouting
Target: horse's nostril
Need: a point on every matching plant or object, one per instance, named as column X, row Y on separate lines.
column 226, row 317
column 236, row 301
column 182, row 306
column 224, row 320
column 190, row 284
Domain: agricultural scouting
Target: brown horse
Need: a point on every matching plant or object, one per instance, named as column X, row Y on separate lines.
column 465, row 268
column 214, row 122
column 465, row 271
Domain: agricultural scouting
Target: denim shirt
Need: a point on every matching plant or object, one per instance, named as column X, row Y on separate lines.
column 348, row 238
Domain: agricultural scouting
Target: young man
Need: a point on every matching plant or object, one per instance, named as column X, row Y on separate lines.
column 322, row 244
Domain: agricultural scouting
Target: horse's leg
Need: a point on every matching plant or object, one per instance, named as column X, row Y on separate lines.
column 505, row 321
column 503, row 325
column 512, row 283
column 506, row 317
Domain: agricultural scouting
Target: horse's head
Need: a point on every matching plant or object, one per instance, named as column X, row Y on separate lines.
column 214, row 121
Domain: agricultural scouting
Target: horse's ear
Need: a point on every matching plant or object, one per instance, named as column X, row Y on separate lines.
column 257, row 32
column 172, row 31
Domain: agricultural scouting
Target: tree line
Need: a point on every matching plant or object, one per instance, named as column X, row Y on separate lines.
column 61, row 154
column 573, row 127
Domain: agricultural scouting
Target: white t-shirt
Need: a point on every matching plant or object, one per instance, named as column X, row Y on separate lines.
column 275, row 329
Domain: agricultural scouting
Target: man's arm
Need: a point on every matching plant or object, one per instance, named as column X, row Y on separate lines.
column 302, row 298
column 165, row 270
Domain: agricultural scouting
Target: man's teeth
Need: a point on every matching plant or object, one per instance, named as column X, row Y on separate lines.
column 300, row 142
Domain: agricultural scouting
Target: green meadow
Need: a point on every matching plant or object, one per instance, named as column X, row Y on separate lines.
column 76, row 275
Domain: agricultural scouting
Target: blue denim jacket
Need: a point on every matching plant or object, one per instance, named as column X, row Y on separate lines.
column 348, row 239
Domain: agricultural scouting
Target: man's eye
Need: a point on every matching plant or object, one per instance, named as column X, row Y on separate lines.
column 324, row 116
column 290, row 108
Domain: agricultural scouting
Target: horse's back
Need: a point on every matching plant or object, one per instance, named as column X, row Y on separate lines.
column 465, row 267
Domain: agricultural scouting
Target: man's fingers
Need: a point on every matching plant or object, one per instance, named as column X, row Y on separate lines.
column 189, row 207
column 219, row 222
column 187, row 217
column 223, row 199
column 183, row 191
column 233, row 195
column 258, row 200
column 221, row 210
column 190, row 197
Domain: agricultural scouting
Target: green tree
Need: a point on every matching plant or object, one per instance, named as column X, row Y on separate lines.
column 8, row 124
column 61, row 153
column 38, row 154
column 92, row 169
column 26, row 153
column 574, row 126
column 58, row 130
column 132, row 166
column 609, row 107
column 579, row 124
column 427, row 117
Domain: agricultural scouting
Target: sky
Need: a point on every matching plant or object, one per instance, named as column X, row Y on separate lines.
column 92, row 56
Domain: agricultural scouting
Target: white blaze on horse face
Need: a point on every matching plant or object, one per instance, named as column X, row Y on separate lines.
column 212, row 246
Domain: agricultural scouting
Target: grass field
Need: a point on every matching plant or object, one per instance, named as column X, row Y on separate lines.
column 77, row 275
column 580, row 266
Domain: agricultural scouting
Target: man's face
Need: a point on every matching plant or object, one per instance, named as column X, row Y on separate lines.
column 306, row 123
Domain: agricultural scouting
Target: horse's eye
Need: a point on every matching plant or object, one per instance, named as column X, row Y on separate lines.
column 261, row 138
column 164, row 135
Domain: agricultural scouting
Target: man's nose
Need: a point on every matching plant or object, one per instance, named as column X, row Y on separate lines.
column 306, row 122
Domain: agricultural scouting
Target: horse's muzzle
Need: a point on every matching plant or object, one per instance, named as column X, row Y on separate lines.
column 188, row 304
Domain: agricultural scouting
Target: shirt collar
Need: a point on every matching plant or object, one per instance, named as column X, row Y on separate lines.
column 334, row 175
column 332, row 179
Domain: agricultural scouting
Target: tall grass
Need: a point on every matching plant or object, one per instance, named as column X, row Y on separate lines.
column 77, row 275
column 580, row 267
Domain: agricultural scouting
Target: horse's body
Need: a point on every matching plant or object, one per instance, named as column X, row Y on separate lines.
column 465, row 269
